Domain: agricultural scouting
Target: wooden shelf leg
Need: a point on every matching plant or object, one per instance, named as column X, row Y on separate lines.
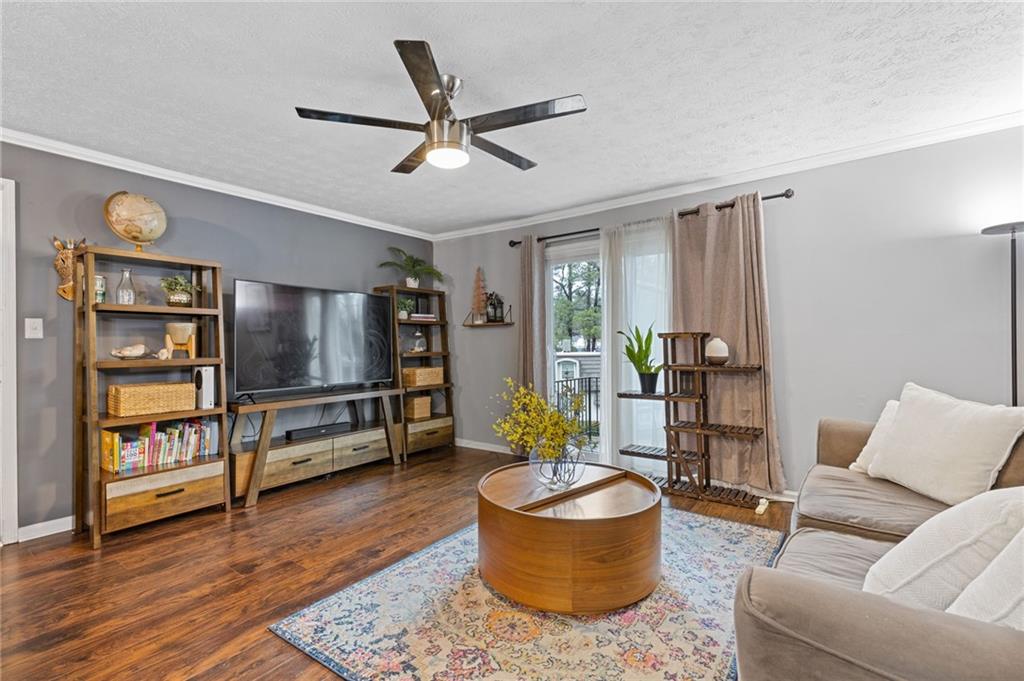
column 260, row 461
column 389, row 424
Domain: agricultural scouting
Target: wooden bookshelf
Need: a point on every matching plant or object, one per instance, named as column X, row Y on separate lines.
column 687, row 383
column 439, row 429
column 106, row 501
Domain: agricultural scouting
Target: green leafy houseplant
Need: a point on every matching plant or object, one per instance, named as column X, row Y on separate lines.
column 178, row 290
column 411, row 266
column 405, row 306
column 639, row 348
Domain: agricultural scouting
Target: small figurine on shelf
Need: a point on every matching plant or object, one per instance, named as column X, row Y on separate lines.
column 495, row 307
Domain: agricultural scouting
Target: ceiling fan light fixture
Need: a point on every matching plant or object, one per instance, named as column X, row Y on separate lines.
column 447, row 158
column 447, row 144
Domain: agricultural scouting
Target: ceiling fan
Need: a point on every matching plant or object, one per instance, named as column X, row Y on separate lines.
column 448, row 138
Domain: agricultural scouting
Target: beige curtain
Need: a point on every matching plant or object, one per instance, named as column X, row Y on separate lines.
column 532, row 366
column 718, row 277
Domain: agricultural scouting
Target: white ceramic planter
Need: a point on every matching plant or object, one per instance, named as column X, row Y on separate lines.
column 716, row 351
column 402, row 314
column 412, row 283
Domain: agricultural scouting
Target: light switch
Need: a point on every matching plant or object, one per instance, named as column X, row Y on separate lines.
column 33, row 327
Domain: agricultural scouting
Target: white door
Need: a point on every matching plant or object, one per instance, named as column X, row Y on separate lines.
column 8, row 375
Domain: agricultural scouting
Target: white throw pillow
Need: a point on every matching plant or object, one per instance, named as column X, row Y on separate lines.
column 877, row 440
column 945, row 448
column 936, row 562
column 997, row 594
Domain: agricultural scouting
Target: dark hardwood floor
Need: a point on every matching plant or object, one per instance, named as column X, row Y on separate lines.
column 191, row 597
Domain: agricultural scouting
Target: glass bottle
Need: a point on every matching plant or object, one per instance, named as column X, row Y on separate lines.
column 126, row 289
column 419, row 343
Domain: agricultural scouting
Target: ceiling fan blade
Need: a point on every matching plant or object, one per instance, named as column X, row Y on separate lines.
column 501, row 152
column 520, row 115
column 413, row 161
column 419, row 62
column 336, row 117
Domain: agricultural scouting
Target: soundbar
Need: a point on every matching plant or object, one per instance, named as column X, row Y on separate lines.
column 317, row 431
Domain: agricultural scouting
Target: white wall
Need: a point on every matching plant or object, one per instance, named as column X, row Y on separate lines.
column 877, row 275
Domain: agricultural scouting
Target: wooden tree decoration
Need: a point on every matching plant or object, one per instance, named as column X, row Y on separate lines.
column 479, row 308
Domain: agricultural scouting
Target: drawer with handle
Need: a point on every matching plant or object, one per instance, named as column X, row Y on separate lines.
column 359, row 448
column 427, row 434
column 290, row 464
column 134, row 501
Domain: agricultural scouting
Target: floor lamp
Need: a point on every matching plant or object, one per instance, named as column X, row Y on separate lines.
column 1011, row 228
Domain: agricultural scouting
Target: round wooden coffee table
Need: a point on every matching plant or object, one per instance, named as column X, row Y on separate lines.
column 592, row 548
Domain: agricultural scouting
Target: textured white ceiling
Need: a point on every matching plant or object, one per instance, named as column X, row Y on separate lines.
column 677, row 93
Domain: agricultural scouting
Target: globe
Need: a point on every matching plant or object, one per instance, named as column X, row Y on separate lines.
column 135, row 218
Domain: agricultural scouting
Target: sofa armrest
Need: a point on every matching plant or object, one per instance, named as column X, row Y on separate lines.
column 793, row 627
column 840, row 440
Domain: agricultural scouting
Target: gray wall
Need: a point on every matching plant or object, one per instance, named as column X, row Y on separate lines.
column 62, row 196
column 876, row 272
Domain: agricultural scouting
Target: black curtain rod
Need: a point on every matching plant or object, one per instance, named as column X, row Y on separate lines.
column 788, row 194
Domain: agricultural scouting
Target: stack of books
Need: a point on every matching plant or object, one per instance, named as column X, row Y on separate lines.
column 423, row 317
column 177, row 442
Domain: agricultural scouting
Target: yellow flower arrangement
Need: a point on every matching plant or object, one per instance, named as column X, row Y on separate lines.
column 532, row 422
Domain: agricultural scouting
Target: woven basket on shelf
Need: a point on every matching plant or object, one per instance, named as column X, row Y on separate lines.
column 417, row 407
column 135, row 399
column 417, row 376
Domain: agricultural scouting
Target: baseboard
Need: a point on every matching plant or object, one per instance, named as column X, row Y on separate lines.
column 44, row 529
column 485, row 446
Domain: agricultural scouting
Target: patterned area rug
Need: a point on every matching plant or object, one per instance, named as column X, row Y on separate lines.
column 430, row 617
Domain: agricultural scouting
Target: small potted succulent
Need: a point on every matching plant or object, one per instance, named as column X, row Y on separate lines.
column 639, row 348
column 412, row 267
column 178, row 290
column 405, row 306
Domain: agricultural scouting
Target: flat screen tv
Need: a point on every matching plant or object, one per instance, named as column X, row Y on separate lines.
column 292, row 338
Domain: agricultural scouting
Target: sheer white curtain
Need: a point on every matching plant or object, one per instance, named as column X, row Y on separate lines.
column 635, row 278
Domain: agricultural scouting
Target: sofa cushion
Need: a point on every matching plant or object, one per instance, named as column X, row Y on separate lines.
column 997, row 594
column 934, row 565
column 842, row 559
column 877, row 441
column 842, row 500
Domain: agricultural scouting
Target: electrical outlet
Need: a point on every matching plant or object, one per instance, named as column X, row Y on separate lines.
column 33, row 327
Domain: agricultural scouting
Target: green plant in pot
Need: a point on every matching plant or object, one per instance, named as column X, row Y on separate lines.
column 412, row 267
column 639, row 348
column 178, row 290
column 405, row 306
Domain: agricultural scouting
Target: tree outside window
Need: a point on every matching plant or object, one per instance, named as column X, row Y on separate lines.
column 577, row 306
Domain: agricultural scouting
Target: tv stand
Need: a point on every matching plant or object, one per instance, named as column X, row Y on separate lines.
column 276, row 461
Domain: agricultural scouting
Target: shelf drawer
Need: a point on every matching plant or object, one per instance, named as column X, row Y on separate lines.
column 359, row 448
column 150, row 497
column 427, row 434
column 290, row 464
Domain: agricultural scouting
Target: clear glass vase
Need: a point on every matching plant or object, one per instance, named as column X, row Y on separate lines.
column 561, row 472
column 126, row 289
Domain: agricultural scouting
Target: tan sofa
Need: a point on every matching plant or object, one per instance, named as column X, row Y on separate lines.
column 808, row 619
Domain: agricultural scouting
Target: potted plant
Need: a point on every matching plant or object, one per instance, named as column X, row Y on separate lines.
column 412, row 267
column 495, row 307
column 178, row 290
column 405, row 306
column 550, row 432
column 638, row 350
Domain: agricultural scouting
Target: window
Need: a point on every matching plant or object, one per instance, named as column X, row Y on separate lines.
column 566, row 369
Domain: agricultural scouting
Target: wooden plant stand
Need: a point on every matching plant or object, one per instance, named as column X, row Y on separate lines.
column 270, row 462
column 437, row 429
column 687, row 384
column 106, row 501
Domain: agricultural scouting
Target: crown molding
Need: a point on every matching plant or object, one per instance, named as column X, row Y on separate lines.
column 948, row 134
column 24, row 139
column 955, row 132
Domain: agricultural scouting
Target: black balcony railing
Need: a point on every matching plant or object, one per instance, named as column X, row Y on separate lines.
column 590, row 416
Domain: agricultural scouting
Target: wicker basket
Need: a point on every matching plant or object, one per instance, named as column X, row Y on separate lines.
column 417, row 407
column 135, row 399
column 417, row 376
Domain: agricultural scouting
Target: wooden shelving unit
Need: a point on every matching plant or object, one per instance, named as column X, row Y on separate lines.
column 688, row 470
column 439, row 428
column 105, row 501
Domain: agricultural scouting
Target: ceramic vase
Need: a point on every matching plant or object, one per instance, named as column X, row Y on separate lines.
column 412, row 282
column 716, row 351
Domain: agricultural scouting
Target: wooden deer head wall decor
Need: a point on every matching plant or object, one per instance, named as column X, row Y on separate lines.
column 64, row 263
